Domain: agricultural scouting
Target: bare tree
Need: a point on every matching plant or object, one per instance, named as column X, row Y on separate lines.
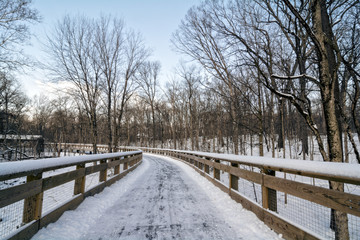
column 74, row 59
column 14, row 31
column 135, row 53
column 148, row 81
column 110, row 43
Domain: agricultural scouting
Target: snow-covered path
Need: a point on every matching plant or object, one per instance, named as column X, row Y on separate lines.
column 162, row 199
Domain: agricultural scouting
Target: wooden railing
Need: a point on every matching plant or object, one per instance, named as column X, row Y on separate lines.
column 27, row 199
column 292, row 197
column 281, row 203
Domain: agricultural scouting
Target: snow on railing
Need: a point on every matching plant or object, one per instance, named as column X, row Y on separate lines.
column 34, row 193
column 291, row 196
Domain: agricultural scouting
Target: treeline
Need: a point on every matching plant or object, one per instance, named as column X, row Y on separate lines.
column 262, row 78
column 259, row 73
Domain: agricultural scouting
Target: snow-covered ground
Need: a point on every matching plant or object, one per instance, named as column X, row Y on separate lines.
column 162, row 199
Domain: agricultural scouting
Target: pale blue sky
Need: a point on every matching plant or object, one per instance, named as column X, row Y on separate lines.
column 156, row 20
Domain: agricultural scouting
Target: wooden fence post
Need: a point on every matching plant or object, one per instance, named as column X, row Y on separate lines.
column 33, row 205
column 269, row 200
column 125, row 163
column 217, row 171
column 79, row 186
column 117, row 167
column 103, row 173
column 234, row 180
column 207, row 170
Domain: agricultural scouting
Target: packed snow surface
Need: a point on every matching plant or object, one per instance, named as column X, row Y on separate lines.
column 162, row 199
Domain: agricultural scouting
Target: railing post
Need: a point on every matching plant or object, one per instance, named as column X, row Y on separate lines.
column 269, row 200
column 125, row 163
column 117, row 168
column 216, row 171
column 33, row 204
column 79, row 186
column 234, row 180
column 103, row 173
column 207, row 170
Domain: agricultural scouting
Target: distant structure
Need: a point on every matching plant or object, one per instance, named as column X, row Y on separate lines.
column 16, row 147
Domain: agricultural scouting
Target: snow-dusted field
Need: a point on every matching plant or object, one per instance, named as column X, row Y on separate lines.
column 162, row 199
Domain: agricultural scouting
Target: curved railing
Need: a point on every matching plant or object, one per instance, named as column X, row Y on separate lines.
column 39, row 191
column 291, row 196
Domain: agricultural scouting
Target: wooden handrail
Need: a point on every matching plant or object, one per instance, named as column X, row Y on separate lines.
column 267, row 211
column 33, row 189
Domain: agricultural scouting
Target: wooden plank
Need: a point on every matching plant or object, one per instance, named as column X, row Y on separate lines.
column 96, row 168
column 269, row 197
column 246, row 174
column 56, row 214
column 114, row 163
column 17, row 193
column 117, row 169
column 276, row 223
column 344, row 202
column 79, row 185
column 216, row 171
column 56, row 180
column 233, row 179
column 25, row 232
column 103, row 173
column 33, row 204
column 288, row 230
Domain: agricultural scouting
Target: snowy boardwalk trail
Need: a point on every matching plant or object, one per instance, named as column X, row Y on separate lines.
column 162, row 199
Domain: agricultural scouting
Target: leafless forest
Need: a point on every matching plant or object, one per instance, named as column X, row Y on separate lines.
column 257, row 74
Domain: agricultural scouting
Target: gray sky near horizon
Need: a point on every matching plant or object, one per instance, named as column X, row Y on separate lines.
column 156, row 20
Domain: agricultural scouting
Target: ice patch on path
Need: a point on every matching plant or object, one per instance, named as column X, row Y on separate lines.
column 244, row 222
column 78, row 222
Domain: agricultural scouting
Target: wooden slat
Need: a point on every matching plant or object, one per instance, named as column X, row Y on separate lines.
column 17, row 193
column 96, row 168
column 54, row 181
column 33, row 204
column 246, row 174
column 288, row 230
column 222, row 167
column 344, row 202
column 114, row 163
column 56, row 214
column 25, row 232
column 79, row 185
column 276, row 223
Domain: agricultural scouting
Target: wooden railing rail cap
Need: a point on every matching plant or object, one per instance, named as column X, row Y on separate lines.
column 10, row 170
column 346, row 172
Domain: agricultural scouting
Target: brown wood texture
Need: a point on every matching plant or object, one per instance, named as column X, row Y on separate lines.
column 276, row 223
column 56, row 180
column 95, row 168
column 79, row 185
column 17, row 193
column 103, row 173
column 247, row 175
column 25, row 232
column 288, row 230
column 344, row 202
column 33, row 204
